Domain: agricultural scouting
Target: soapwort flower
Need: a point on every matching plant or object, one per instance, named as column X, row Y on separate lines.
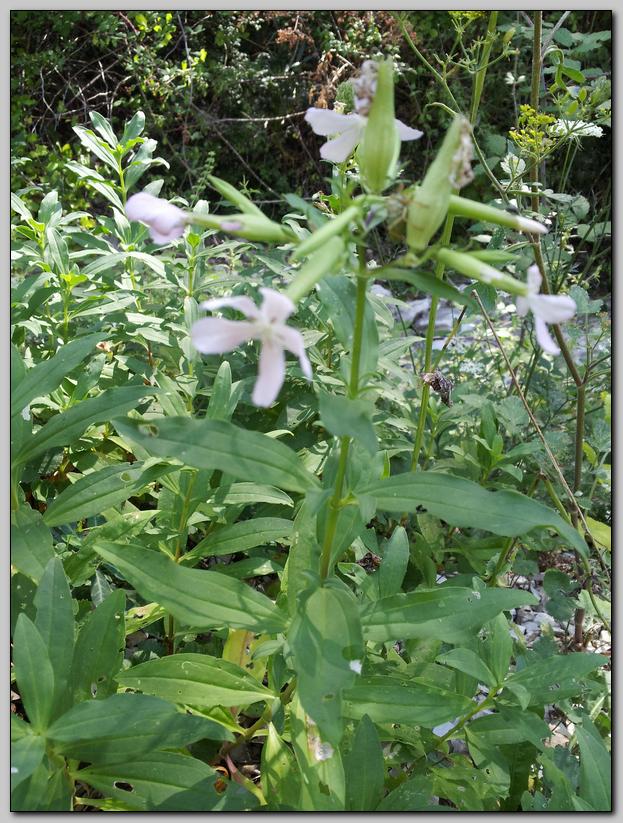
column 267, row 323
column 166, row 222
column 546, row 308
column 347, row 129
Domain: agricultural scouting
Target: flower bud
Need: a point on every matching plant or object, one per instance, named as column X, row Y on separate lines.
column 380, row 145
column 249, row 226
column 473, row 267
column 323, row 262
column 166, row 222
column 462, row 207
column 450, row 170
column 232, row 194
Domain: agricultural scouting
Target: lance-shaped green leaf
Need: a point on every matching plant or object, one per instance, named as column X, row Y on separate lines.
column 145, row 783
column 281, row 778
column 64, row 428
column 463, row 503
column 595, row 768
column 247, row 534
column 101, row 490
column 345, row 417
column 197, row 679
column 98, row 653
column 202, row 599
column 364, row 768
column 394, row 564
column 468, row 662
column 127, row 725
column 218, row 444
column 26, row 754
column 31, row 542
column 55, row 622
column 33, row 672
column 557, row 677
column 48, row 374
column 389, row 700
column 448, row 613
column 431, row 285
column 327, row 648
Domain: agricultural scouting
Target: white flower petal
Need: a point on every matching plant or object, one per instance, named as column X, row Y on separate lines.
column 544, row 339
column 276, row 307
column 534, row 279
column 242, row 304
column 271, row 374
column 326, row 121
column 553, row 308
column 215, row 335
column 340, row 149
column 523, row 306
column 406, row 132
column 293, row 341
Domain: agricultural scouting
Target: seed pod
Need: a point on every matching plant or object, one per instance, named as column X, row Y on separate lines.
column 450, row 170
column 462, row 207
column 323, row 262
column 380, row 145
column 249, row 226
column 473, row 267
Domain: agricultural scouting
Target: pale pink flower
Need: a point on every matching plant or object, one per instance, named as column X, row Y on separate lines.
column 546, row 308
column 166, row 222
column 216, row 335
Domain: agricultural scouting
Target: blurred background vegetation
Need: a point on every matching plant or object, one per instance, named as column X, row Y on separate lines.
column 224, row 92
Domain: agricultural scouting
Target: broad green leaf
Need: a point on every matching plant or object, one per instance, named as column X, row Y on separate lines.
column 338, row 295
column 323, row 785
column 217, row 444
column 389, row 700
column 552, row 678
column 595, row 770
column 467, row 661
column 281, row 779
column 494, row 772
column 448, row 613
column 26, row 754
column 245, row 494
column 33, row 672
column 133, row 128
column 509, row 726
column 23, row 592
column 304, row 556
column 103, row 489
column 125, row 726
column 495, row 646
column 222, row 401
column 325, row 638
column 344, row 417
column 98, row 653
column 55, row 622
column 196, row 679
column 202, row 599
column 65, row 428
column 241, row 536
column 147, row 782
column 31, row 542
column 46, row 790
column 463, row 503
column 90, row 141
column 102, row 126
column 364, row 768
column 414, row 795
column 600, row 532
column 394, row 563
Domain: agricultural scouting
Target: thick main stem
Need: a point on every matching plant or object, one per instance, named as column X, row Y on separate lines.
column 353, row 391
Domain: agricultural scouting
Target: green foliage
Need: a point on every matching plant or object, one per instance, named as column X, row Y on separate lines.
column 310, row 606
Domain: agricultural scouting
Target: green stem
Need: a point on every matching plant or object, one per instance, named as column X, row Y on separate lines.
column 488, row 701
column 479, row 79
column 353, row 391
column 428, row 349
